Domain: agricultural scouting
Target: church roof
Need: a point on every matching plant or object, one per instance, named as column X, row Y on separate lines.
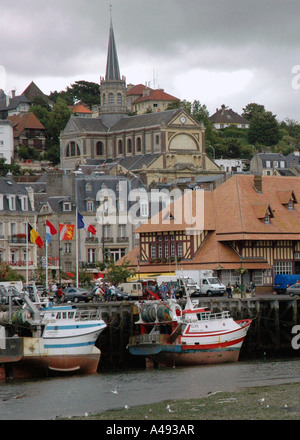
column 145, row 120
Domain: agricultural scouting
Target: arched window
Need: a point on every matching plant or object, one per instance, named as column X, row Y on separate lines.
column 72, row 149
column 119, row 99
column 99, row 149
column 120, row 147
column 129, row 146
column 138, row 145
column 111, row 99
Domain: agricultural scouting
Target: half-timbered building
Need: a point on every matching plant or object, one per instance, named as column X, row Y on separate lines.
column 249, row 225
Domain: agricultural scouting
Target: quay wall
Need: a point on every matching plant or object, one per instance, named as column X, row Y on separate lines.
column 270, row 334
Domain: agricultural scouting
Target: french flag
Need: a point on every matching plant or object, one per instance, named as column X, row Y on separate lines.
column 50, row 230
column 82, row 224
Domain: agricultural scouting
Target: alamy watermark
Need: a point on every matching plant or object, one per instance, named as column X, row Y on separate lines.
column 296, row 339
column 158, row 207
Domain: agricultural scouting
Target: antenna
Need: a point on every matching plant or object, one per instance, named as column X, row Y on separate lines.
column 155, row 81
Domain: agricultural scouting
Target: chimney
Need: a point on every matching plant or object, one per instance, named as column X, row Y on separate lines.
column 258, row 183
column 13, row 93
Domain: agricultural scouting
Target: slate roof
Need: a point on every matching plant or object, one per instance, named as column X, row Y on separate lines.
column 112, row 65
column 89, row 124
column 227, row 116
column 146, row 120
column 14, row 102
column 33, row 91
column 138, row 161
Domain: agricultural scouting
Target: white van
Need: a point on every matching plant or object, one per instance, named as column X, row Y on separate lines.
column 134, row 289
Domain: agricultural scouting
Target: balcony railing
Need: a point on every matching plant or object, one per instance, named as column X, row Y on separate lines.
column 92, row 240
column 18, row 263
column 17, row 238
column 85, row 265
column 122, row 239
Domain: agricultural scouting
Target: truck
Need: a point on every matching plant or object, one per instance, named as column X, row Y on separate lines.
column 133, row 288
column 211, row 285
column 206, row 284
column 283, row 281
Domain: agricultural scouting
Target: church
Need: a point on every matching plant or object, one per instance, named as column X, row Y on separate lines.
column 160, row 146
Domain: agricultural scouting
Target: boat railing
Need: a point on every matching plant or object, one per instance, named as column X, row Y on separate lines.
column 149, row 338
column 208, row 316
column 87, row 314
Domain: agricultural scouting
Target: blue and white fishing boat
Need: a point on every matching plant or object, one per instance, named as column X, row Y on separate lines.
column 55, row 340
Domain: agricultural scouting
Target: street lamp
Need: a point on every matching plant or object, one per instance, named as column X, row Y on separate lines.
column 214, row 151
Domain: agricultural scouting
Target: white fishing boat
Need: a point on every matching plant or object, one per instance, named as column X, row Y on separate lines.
column 171, row 336
column 54, row 339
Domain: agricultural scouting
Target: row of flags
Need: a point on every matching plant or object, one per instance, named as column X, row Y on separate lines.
column 66, row 232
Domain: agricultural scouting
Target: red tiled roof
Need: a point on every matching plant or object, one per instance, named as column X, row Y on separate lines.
column 137, row 90
column 79, row 108
column 25, row 121
column 156, row 95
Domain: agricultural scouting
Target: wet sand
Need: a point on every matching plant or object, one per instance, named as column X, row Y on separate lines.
column 277, row 402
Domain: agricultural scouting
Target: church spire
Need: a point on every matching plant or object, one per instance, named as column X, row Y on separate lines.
column 112, row 65
column 112, row 88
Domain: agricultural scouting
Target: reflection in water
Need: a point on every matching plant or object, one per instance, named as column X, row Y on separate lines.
column 47, row 398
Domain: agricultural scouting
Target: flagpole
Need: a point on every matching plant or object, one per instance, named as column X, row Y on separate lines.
column 77, row 248
column 27, row 254
column 46, row 245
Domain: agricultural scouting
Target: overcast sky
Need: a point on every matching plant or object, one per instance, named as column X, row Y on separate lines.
column 230, row 52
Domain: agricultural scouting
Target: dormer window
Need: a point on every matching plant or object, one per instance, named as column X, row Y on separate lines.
column 263, row 212
column 90, row 205
column 66, row 206
column 288, row 199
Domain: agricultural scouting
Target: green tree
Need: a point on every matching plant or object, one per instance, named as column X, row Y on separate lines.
column 59, row 118
column 9, row 274
column 86, row 92
column 263, row 129
column 119, row 274
column 251, row 109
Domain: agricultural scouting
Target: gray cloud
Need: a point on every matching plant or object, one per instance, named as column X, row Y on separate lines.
column 194, row 47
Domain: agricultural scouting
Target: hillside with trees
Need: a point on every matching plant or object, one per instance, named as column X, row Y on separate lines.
column 265, row 132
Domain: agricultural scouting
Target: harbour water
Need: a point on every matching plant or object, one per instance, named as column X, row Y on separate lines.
column 45, row 399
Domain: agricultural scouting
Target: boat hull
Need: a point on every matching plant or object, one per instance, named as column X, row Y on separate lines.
column 64, row 349
column 54, row 365
column 200, row 350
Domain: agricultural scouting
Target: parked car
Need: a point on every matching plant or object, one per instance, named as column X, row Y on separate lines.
column 294, row 289
column 120, row 295
column 76, row 294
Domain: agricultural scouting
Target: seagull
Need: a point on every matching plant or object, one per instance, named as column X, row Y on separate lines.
column 126, row 407
column 262, row 400
column 115, row 391
column 169, row 409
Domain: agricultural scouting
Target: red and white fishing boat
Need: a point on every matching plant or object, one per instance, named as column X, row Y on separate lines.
column 171, row 336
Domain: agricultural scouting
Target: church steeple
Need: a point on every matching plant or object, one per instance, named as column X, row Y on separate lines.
column 112, row 87
column 112, row 65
